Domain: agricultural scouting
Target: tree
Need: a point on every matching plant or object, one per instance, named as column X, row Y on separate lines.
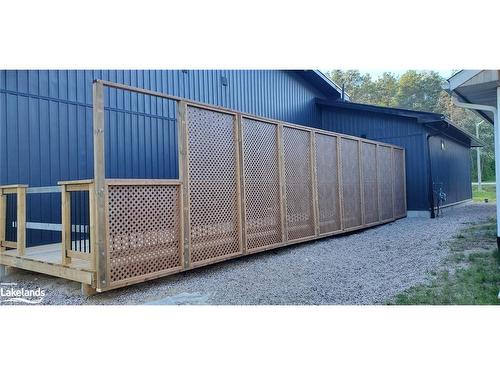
column 386, row 87
column 354, row 83
column 419, row 91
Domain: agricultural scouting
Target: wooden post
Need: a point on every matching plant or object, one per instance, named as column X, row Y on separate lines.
column 281, row 164
column 378, row 182
column 88, row 290
column 66, row 224
column 393, row 178
column 184, row 177
column 3, row 219
column 99, row 185
column 240, row 183
column 21, row 220
column 339, row 181
column 361, row 183
column 314, row 182
column 404, row 180
column 180, row 171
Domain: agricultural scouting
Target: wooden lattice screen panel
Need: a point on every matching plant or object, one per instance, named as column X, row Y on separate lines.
column 298, row 183
column 385, row 171
column 144, row 231
column 246, row 184
column 213, row 188
column 328, row 183
column 351, row 190
column 261, row 181
column 399, row 183
column 370, row 191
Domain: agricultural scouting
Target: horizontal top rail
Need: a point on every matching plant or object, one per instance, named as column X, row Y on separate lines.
column 142, row 182
column 340, row 135
column 76, row 182
column 234, row 112
column 13, row 186
column 12, row 189
column 139, row 90
column 43, row 189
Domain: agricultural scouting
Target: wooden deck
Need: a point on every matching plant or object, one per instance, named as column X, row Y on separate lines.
column 46, row 259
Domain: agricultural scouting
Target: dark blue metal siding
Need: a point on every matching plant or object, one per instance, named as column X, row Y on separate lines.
column 46, row 116
column 46, row 122
column 451, row 168
column 141, row 136
column 400, row 131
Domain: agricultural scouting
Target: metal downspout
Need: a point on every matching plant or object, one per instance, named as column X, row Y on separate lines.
column 494, row 110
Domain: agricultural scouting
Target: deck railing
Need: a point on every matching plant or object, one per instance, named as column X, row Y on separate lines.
column 77, row 219
column 8, row 192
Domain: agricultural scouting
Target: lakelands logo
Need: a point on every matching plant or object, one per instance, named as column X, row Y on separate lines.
column 9, row 292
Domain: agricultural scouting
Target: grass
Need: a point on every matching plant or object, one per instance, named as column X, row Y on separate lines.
column 471, row 275
column 488, row 191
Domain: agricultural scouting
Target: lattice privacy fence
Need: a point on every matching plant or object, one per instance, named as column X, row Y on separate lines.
column 247, row 185
column 143, row 230
column 262, row 184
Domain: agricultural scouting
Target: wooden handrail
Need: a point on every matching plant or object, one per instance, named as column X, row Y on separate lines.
column 20, row 191
column 67, row 253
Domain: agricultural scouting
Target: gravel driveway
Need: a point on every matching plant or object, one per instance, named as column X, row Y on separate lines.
column 368, row 267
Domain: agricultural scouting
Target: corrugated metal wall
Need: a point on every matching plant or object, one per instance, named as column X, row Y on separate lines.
column 400, row 131
column 46, row 116
column 450, row 169
column 46, row 123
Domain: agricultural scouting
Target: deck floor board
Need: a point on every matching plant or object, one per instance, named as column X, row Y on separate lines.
column 51, row 254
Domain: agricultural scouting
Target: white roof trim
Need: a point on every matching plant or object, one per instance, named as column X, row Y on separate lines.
column 332, row 83
column 461, row 77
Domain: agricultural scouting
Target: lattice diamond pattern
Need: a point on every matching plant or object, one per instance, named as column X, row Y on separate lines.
column 299, row 209
column 213, row 186
column 370, row 190
column 350, row 183
column 328, row 184
column 144, row 230
column 262, row 198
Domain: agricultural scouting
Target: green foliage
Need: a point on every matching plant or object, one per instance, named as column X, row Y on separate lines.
column 472, row 276
column 386, row 89
column 487, row 192
column 413, row 90
column 421, row 91
column 357, row 85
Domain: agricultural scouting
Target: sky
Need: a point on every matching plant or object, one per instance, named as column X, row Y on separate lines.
column 376, row 73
